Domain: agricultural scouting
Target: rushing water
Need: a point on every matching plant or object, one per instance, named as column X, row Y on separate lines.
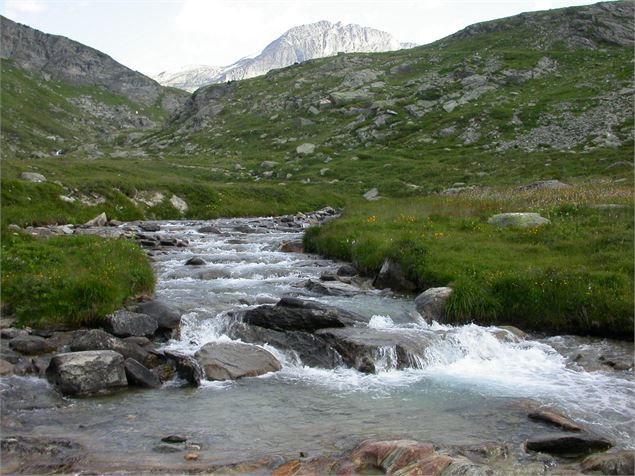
column 468, row 386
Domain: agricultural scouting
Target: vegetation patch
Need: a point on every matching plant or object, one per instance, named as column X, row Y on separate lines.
column 573, row 275
column 73, row 280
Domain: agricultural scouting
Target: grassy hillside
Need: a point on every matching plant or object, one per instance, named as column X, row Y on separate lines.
column 545, row 95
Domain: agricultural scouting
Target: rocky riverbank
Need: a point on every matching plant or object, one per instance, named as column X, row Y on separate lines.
column 299, row 314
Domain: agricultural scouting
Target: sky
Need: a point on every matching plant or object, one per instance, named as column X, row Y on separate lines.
column 151, row 36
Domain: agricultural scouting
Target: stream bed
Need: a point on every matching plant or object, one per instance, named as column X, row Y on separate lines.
column 468, row 386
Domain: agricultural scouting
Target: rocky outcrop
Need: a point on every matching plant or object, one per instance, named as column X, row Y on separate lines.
column 233, row 360
column 89, row 372
column 66, row 60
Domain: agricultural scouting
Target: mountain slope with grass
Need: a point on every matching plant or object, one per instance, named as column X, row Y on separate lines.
column 420, row 146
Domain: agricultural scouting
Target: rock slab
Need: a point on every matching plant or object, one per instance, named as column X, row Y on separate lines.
column 89, row 372
column 233, row 360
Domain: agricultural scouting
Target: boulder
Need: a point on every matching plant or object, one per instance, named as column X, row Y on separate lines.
column 140, row 376
column 519, row 220
column 149, row 227
column 370, row 350
column 166, row 316
column 311, row 349
column 33, row 177
column 83, row 373
column 333, row 289
column 124, row 323
column 187, row 367
column 620, row 462
column 179, row 203
column 372, row 194
column 553, row 417
column 292, row 247
column 195, row 261
column 246, row 229
column 209, row 229
column 346, row 270
column 305, row 149
column 99, row 220
column 391, row 275
column 568, row 446
column 291, row 314
column 268, row 164
column 543, row 185
column 97, row 339
column 234, row 360
column 431, row 303
column 30, row 345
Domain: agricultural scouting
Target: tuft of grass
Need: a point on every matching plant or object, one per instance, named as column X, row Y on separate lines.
column 70, row 280
column 574, row 275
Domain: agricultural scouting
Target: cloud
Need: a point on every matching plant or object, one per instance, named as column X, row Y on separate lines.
column 25, row 6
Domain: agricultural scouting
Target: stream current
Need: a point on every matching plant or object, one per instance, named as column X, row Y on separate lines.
column 468, row 386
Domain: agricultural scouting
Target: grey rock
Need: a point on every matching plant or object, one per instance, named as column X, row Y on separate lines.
column 346, row 270
column 140, row 376
column 166, row 316
column 268, row 164
column 431, row 303
column 372, row 194
column 124, row 323
column 30, row 345
column 305, row 149
column 518, row 219
column 6, row 368
column 195, row 261
column 391, row 275
column 33, row 177
column 210, row 229
column 82, row 373
column 149, row 227
column 544, row 185
column 553, row 417
column 99, row 220
column 187, row 367
column 179, row 203
column 97, row 339
column 233, row 360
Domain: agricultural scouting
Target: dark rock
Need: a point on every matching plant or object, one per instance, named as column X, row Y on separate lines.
column 150, row 227
column 311, row 349
column 431, row 304
column 551, row 416
column 97, row 339
column 246, row 229
column 195, row 261
column 329, row 277
column 30, row 345
column 360, row 347
column 620, row 462
column 209, row 229
column 568, row 446
column 233, row 360
column 296, row 315
column 174, row 439
column 186, row 367
column 124, row 323
column 83, row 373
column 332, row 290
column 166, row 316
column 391, row 275
column 346, row 270
column 140, row 376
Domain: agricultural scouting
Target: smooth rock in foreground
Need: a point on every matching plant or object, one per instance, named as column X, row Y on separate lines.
column 431, row 303
column 84, row 373
column 568, row 446
column 518, row 220
column 620, row 462
column 233, row 360
column 124, row 323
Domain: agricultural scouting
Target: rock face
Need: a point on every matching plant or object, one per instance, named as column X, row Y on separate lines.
column 83, row 373
column 125, row 324
column 519, row 220
column 431, row 303
column 391, row 275
column 66, row 60
column 302, row 43
column 232, row 360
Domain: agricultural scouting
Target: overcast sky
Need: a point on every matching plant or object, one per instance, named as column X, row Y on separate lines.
column 154, row 35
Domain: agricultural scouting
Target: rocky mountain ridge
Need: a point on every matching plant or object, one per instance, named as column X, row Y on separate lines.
column 301, row 43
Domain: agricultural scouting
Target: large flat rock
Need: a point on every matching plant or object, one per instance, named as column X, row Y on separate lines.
column 234, row 360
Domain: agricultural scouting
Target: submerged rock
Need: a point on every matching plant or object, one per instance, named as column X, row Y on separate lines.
column 234, row 360
column 568, row 446
column 83, row 373
column 551, row 416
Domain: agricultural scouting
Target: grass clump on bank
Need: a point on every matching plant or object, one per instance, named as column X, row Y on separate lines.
column 71, row 281
column 573, row 275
